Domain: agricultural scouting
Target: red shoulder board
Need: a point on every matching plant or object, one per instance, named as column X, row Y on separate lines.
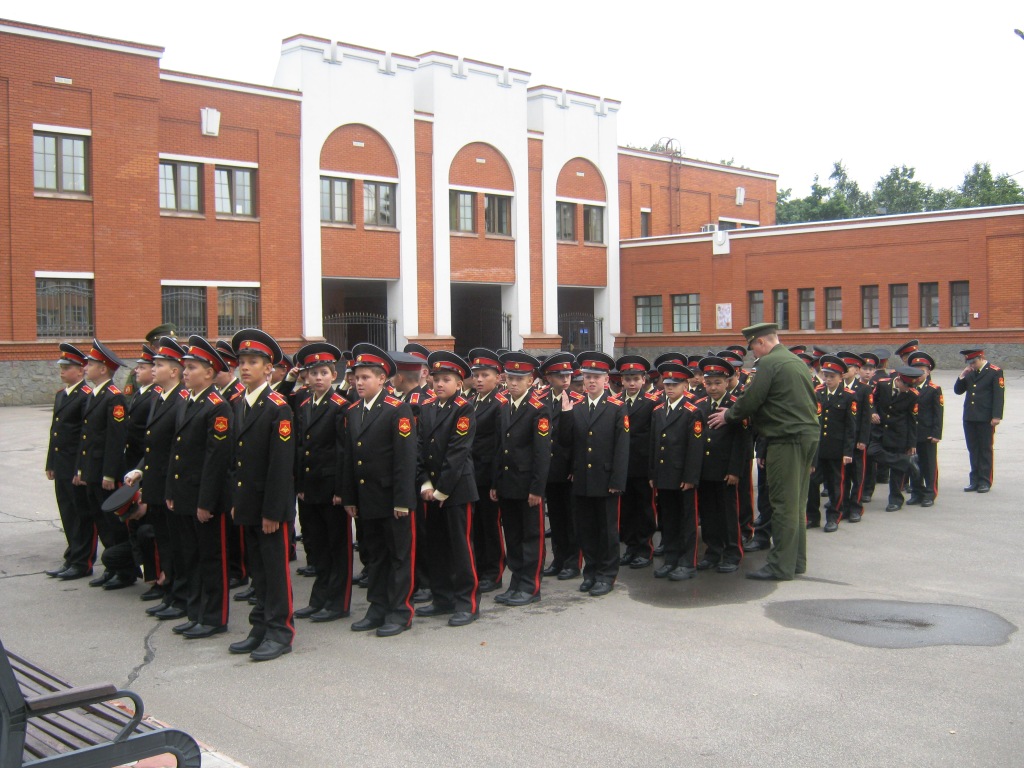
column 536, row 403
column 214, row 397
column 113, row 390
column 158, row 389
column 659, row 406
column 733, row 398
column 576, row 397
column 697, row 400
column 277, row 399
column 356, row 404
column 87, row 389
column 914, row 390
column 460, row 400
column 994, row 367
column 652, row 396
column 542, row 390
column 689, row 395
column 430, row 399
column 414, row 398
column 933, row 385
column 501, row 398
column 337, row 399
column 614, row 400
column 691, row 407
column 305, row 401
column 183, row 393
column 394, row 402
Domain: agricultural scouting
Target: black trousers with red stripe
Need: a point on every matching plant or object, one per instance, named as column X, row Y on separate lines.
column 237, row 567
column 203, row 548
column 524, row 535
column 677, row 510
column 980, row 437
column 488, row 546
column 832, row 474
column 926, row 486
column 453, row 578
column 853, row 487
column 271, row 618
column 720, row 521
column 597, row 524
column 389, row 546
column 565, row 548
column 327, row 532
column 637, row 520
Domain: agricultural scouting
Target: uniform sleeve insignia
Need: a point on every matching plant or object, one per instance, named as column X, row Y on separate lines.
column 214, row 397
column 284, row 429
column 819, row 408
column 404, row 427
column 113, row 390
column 853, row 407
column 871, row 398
column 942, row 400
column 698, row 428
column 337, row 399
column 129, row 389
column 462, row 425
column 501, row 398
column 220, row 424
column 1002, row 383
column 277, row 399
column 915, row 409
column 460, row 400
column 392, row 401
column 118, row 413
column 625, row 422
column 543, row 426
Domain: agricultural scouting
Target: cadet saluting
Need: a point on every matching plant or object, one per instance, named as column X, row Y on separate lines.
column 983, row 410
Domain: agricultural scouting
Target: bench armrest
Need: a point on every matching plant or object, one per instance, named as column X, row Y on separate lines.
column 74, row 698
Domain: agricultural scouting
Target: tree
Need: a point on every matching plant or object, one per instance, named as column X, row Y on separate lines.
column 981, row 188
column 898, row 192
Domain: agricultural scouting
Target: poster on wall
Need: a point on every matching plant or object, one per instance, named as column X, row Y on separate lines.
column 723, row 316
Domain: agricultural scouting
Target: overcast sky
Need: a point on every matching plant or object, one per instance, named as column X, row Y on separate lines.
column 786, row 87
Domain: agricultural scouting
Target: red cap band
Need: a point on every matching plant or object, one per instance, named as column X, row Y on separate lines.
column 170, row 352
column 254, row 346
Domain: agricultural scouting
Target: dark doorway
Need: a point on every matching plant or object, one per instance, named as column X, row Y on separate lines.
column 580, row 330
column 477, row 319
column 356, row 311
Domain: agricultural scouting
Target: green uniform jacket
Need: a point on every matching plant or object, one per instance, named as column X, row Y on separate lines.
column 779, row 399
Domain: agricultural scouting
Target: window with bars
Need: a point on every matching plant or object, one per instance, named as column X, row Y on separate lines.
column 565, row 215
column 806, row 297
column 498, row 214
column 755, row 302
column 593, row 224
column 335, row 200
column 379, row 204
column 960, row 303
column 780, row 300
column 179, row 186
column 61, row 163
column 64, row 308
column 237, row 308
column 899, row 306
column 686, row 312
column 929, row 294
column 648, row 314
column 185, row 306
column 235, row 191
column 834, row 308
column 869, row 306
column 462, row 211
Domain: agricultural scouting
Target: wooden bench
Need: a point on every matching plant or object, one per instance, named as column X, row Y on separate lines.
column 44, row 721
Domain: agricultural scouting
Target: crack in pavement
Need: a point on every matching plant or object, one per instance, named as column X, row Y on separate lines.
column 20, row 518
column 150, row 655
column 5, row 575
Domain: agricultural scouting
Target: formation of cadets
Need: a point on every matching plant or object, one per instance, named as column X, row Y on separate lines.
column 447, row 467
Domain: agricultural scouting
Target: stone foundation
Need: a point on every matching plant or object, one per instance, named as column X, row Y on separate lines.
column 35, row 382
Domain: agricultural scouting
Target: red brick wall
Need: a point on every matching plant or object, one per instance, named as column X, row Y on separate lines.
column 479, row 257
column 580, row 263
column 374, row 158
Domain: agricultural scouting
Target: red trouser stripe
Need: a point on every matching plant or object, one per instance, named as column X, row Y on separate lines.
column 290, row 622
column 472, row 560
column 411, row 517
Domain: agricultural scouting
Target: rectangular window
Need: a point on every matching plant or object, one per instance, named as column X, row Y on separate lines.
column 498, row 214
column 234, row 191
column 593, row 224
column 929, row 305
column 64, row 308
column 869, row 306
column 755, row 300
column 462, row 211
column 565, row 213
column 648, row 314
column 379, row 204
column 899, row 306
column 834, row 308
column 61, row 163
column 335, row 200
column 806, row 296
column 686, row 312
column 237, row 308
column 185, row 306
column 645, row 223
column 960, row 303
column 780, row 299
column 725, row 226
column 179, row 186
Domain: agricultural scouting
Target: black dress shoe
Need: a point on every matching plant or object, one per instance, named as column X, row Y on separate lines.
column 322, row 617
column 237, row 581
column 927, row 503
column 306, row 570
column 727, row 567
column 971, row 488
column 74, row 572
column 270, row 650
column 200, row 631
column 600, row 589
column 250, row 644
column 170, row 612
column 391, row 629
column 865, row 499
column 366, row 624
column 913, row 501
column 153, row 610
column 252, row 600
column 156, row 592
column 659, row 550
column 305, row 613
column 551, row 570
column 119, row 582
column 682, row 573
column 489, row 585
column 755, row 545
column 984, row 487
column 504, row 596
column 824, row 493
column 422, row 596
column 894, row 508
column 102, row 579
column 517, row 599
column 764, row 573
column 640, row 562
column 586, row 585
column 706, row 564
column 362, row 580
column 627, row 558
column 664, row 570
column 245, row 594
column 433, row 609
column 813, row 524
column 853, row 517
column 462, row 618
column 831, row 526
column 568, row 573
column 180, row 629
column 55, row 572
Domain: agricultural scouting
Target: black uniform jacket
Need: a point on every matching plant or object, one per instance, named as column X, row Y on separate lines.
column 446, row 449
column 233, row 391
column 727, row 451
column 139, row 406
column 379, row 458
column 159, row 445
column 200, row 462
column 486, row 439
column 930, row 411
column 262, row 485
column 837, row 415
column 561, row 453
column 66, row 430
column 524, row 448
column 598, row 445
column 898, row 413
column 985, row 390
column 104, row 420
column 639, row 413
column 320, row 448
column 677, row 444
column 864, row 395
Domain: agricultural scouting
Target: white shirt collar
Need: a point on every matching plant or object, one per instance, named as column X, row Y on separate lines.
column 252, row 397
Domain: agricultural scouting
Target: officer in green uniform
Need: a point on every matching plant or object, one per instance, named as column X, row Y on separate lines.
column 780, row 401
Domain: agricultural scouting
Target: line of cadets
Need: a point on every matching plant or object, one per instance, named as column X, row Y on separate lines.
column 447, row 466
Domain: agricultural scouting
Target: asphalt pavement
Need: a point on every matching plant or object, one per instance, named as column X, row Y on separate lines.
column 898, row 648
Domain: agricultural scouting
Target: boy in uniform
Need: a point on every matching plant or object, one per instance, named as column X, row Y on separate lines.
column 930, row 412
column 893, row 443
column 637, row 523
column 837, row 415
column 488, row 545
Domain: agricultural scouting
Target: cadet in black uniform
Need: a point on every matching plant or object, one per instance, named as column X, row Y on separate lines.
column 863, row 395
column 894, row 430
column 139, row 404
column 745, row 490
column 65, row 443
column 378, row 487
column 448, row 490
column 596, row 432
column 837, row 415
column 637, row 520
column 263, row 494
column 520, row 476
column 416, row 398
column 231, row 389
column 869, row 375
column 984, row 387
column 930, row 413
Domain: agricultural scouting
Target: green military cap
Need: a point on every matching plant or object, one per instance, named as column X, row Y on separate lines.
column 166, row 329
column 752, row 332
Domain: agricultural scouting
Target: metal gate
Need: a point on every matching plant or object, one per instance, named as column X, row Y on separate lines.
column 490, row 328
column 350, row 328
column 581, row 332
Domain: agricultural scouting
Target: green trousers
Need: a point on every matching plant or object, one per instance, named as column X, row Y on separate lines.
column 789, row 475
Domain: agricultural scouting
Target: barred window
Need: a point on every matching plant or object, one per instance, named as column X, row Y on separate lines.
column 565, row 215
column 498, row 214
column 648, row 314
column 686, row 312
column 593, row 224
column 336, row 200
column 237, row 308
column 834, row 308
column 960, row 303
column 899, row 306
column 806, row 309
column 61, row 162
column 185, row 306
column 929, row 304
column 235, row 191
column 379, row 204
column 179, row 186
column 780, row 298
column 869, row 306
column 462, row 211
column 755, row 300
column 64, row 308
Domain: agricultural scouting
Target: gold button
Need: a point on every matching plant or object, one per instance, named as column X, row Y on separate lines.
column 661, row 461
column 83, row 437
column 56, row 450
column 56, row 418
column 176, row 477
column 54, row 434
column 149, row 432
column 589, row 449
column 147, row 466
column 307, row 469
column 239, row 483
column 362, row 482
column 177, row 458
column 179, row 439
column 591, row 434
column 239, row 463
column 506, row 469
column 663, row 434
column 359, row 463
column 706, row 453
column 147, row 450
column 588, row 466
column 239, row 443
column 307, row 453
column 506, row 450
column 307, row 437
column 358, row 445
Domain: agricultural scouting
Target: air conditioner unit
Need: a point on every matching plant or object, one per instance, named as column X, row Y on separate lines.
column 709, row 228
